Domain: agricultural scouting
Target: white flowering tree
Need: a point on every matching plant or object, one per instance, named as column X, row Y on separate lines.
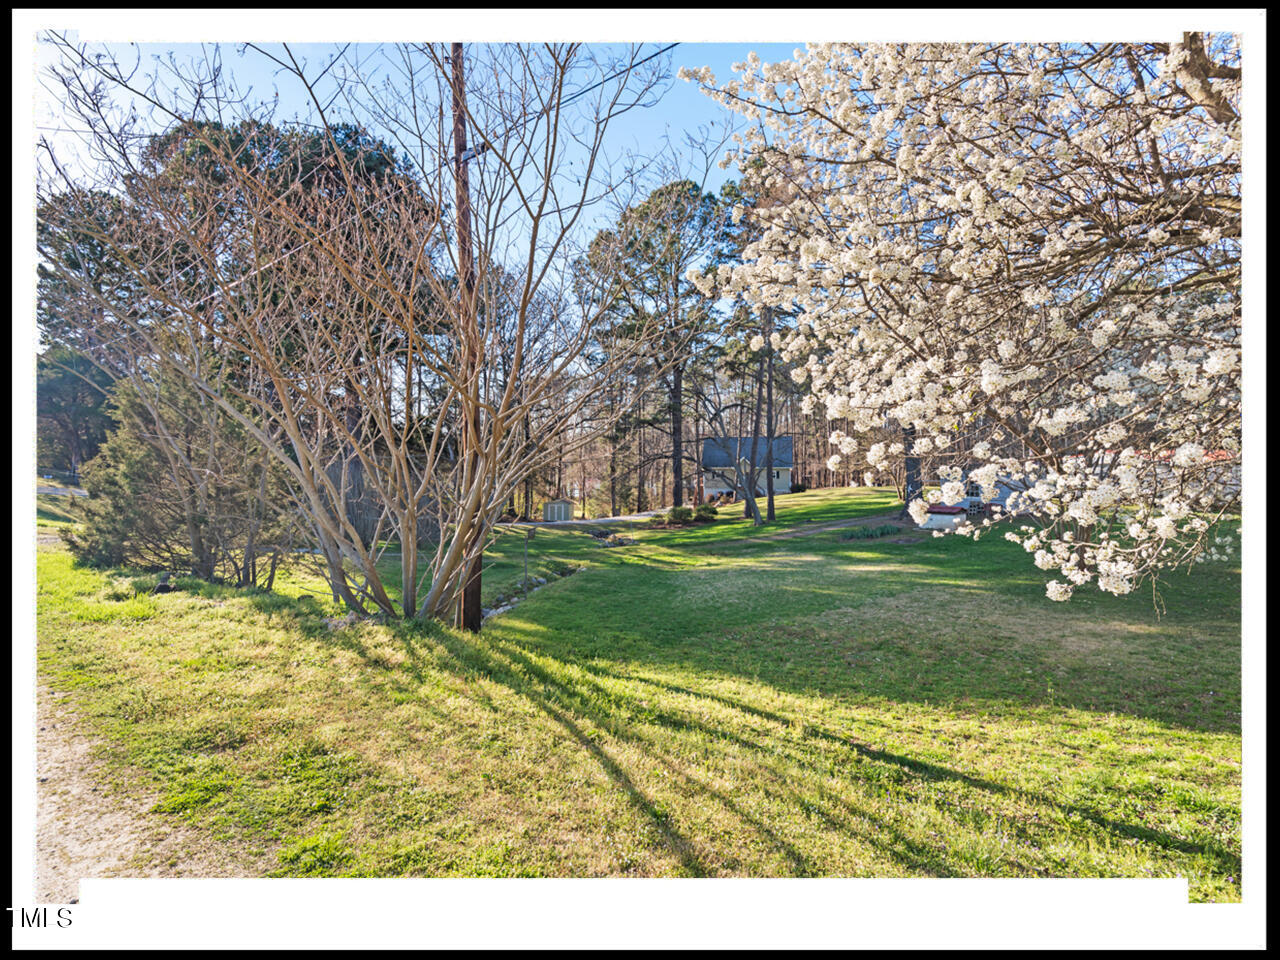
column 1028, row 256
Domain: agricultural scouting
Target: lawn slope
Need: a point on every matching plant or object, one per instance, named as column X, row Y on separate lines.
column 701, row 703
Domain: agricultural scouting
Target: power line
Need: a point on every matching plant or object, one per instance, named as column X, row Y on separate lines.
column 91, row 132
column 638, row 63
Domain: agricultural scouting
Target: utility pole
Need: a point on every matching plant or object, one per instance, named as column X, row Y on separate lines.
column 469, row 329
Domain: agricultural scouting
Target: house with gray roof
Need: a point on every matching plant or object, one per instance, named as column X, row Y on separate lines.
column 719, row 454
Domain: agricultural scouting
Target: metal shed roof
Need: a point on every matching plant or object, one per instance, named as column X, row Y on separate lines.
column 722, row 452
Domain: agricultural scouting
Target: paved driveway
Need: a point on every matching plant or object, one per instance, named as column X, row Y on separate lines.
column 586, row 523
column 63, row 491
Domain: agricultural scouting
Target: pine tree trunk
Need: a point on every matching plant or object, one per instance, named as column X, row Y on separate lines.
column 677, row 430
column 768, row 407
column 642, row 500
column 752, row 509
column 613, row 481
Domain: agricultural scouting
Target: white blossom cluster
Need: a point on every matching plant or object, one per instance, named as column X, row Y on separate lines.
column 1027, row 254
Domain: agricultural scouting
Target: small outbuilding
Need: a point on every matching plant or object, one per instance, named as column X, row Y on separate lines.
column 972, row 507
column 943, row 517
column 558, row 511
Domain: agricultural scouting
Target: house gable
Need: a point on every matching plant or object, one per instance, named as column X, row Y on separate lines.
column 721, row 453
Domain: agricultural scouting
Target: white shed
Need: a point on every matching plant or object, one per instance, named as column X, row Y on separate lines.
column 557, row 511
column 943, row 517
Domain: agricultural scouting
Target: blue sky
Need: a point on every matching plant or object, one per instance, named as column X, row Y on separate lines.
column 681, row 108
column 684, row 107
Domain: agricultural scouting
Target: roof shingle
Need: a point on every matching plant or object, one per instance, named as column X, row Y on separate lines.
column 724, row 452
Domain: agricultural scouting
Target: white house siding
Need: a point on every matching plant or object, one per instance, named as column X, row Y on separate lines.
column 713, row 486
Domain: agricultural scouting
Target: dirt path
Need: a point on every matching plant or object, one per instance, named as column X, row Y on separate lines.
column 89, row 825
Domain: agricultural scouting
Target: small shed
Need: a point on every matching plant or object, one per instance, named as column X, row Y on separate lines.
column 943, row 517
column 557, row 511
column 974, row 504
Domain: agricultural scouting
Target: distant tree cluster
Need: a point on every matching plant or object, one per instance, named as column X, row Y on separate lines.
column 72, row 419
column 388, row 349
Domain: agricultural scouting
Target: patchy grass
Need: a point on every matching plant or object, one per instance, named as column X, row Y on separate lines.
column 870, row 533
column 55, row 511
column 697, row 704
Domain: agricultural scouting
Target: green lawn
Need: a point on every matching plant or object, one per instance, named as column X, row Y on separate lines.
column 53, row 511
column 697, row 704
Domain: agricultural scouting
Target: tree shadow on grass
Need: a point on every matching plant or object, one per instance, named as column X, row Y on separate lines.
column 540, row 665
column 906, row 624
column 303, row 613
column 474, row 659
column 568, row 706
column 1227, row 862
column 674, row 841
column 566, row 701
column 572, row 695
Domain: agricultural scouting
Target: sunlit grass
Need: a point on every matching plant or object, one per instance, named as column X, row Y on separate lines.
column 55, row 511
column 700, row 703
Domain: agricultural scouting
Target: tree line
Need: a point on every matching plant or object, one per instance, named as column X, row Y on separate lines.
column 988, row 265
column 373, row 347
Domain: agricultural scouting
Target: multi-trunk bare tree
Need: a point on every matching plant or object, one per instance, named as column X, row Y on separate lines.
column 397, row 310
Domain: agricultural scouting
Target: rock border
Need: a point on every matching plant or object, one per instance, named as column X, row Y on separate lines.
column 537, row 583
